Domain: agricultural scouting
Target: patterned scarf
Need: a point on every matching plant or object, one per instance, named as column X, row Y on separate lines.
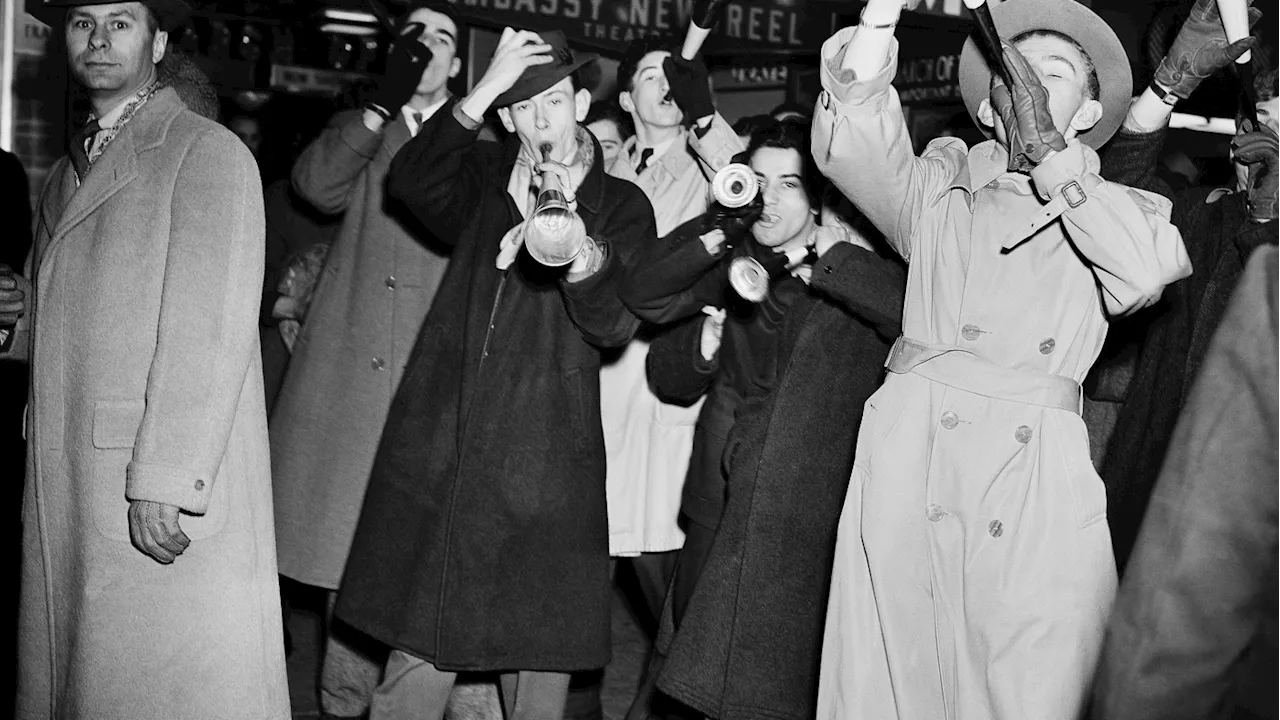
column 104, row 137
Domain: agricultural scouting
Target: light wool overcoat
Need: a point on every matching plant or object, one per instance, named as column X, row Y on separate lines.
column 147, row 385
column 378, row 282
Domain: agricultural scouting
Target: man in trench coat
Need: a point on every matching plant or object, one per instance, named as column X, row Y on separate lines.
column 483, row 541
column 148, row 585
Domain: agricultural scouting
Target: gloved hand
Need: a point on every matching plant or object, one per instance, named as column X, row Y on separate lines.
column 13, row 296
column 405, row 65
column 690, row 88
column 1260, row 150
column 1201, row 49
column 153, row 527
column 1024, row 109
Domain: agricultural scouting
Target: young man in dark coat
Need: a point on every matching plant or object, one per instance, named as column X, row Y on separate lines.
column 483, row 541
column 1220, row 228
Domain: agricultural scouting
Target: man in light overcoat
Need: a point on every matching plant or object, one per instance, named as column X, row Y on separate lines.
column 148, row 585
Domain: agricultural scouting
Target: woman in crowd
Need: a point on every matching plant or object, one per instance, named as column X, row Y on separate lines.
column 785, row 380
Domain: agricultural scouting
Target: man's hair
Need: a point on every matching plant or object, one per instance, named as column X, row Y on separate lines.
column 631, row 57
column 610, row 111
column 792, row 135
column 1092, row 86
column 1264, row 85
column 788, row 109
column 749, row 125
column 444, row 8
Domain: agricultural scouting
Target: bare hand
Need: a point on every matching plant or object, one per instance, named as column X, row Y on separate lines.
column 712, row 332
column 713, row 241
column 153, row 528
column 13, row 296
column 517, row 50
column 561, row 173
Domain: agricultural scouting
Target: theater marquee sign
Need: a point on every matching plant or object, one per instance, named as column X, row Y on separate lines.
column 746, row 26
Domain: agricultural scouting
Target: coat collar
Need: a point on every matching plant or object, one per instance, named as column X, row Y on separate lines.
column 119, row 162
column 988, row 161
column 590, row 192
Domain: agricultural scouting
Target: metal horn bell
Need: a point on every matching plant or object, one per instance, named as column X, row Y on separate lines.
column 554, row 234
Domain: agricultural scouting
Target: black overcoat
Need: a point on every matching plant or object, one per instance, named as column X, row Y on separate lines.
column 483, row 540
column 750, row 640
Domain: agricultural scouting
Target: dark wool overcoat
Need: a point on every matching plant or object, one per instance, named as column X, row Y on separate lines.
column 749, row 643
column 483, row 541
column 1219, row 237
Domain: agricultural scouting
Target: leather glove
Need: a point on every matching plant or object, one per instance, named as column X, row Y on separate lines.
column 153, row 527
column 1200, row 49
column 690, row 88
column 1259, row 150
column 405, row 65
column 1024, row 109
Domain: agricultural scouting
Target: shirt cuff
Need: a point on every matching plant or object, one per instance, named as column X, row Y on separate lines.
column 168, row 485
column 842, row 84
column 464, row 119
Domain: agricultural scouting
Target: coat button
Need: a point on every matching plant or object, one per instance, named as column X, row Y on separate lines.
column 199, row 485
column 378, row 364
column 391, row 282
column 1022, row 434
column 934, row 512
column 1047, row 345
column 970, row 332
column 996, row 528
column 950, row 420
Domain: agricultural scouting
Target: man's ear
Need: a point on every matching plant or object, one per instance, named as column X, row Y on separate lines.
column 1088, row 115
column 159, row 42
column 581, row 104
column 455, row 67
column 987, row 114
column 504, row 114
column 625, row 101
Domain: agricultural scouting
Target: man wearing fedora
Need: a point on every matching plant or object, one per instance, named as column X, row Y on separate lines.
column 483, row 542
column 381, row 276
column 973, row 573
column 148, row 584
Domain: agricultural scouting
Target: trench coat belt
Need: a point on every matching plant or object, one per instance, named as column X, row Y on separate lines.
column 963, row 369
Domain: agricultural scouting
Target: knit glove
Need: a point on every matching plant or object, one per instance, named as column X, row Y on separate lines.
column 153, row 527
column 404, row 71
column 690, row 88
column 1259, row 150
column 1200, row 50
column 1024, row 109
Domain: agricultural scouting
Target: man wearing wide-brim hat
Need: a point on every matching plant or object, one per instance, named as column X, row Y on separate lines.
column 973, row 573
column 149, row 585
column 483, row 541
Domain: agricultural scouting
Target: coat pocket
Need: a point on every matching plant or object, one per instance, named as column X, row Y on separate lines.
column 115, row 431
column 1088, row 493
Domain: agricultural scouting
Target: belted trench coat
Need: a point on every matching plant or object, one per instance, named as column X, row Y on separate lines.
column 973, row 572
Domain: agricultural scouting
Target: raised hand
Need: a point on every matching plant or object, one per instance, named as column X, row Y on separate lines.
column 689, row 87
column 1259, row 149
column 404, row 70
column 1200, row 50
column 1024, row 110
column 517, row 50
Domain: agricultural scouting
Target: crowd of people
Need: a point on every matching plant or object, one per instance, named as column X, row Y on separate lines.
column 838, row 431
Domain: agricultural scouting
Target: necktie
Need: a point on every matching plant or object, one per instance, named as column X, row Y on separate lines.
column 417, row 124
column 79, row 155
column 644, row 160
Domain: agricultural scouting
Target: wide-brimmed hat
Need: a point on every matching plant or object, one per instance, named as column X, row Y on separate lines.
column 170, row 14
column 1014, row 17
column 536, row 78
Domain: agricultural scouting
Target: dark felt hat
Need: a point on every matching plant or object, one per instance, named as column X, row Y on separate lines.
column 1014, row 17
column 536, row 78
column 170, row 14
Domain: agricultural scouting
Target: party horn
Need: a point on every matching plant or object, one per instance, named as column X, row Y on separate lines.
column 701, row 21
column 1235, row 21
column 735, row 185
column 989, row 39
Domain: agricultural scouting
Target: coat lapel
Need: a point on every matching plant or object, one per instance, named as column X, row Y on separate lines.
column 118, row 165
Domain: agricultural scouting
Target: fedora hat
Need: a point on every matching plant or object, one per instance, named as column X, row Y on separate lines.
column 1014, row 17
column 536, row 78
column 170, row 14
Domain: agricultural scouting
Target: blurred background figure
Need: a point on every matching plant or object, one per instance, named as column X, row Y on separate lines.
column 611, row 126
column 249, row 130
